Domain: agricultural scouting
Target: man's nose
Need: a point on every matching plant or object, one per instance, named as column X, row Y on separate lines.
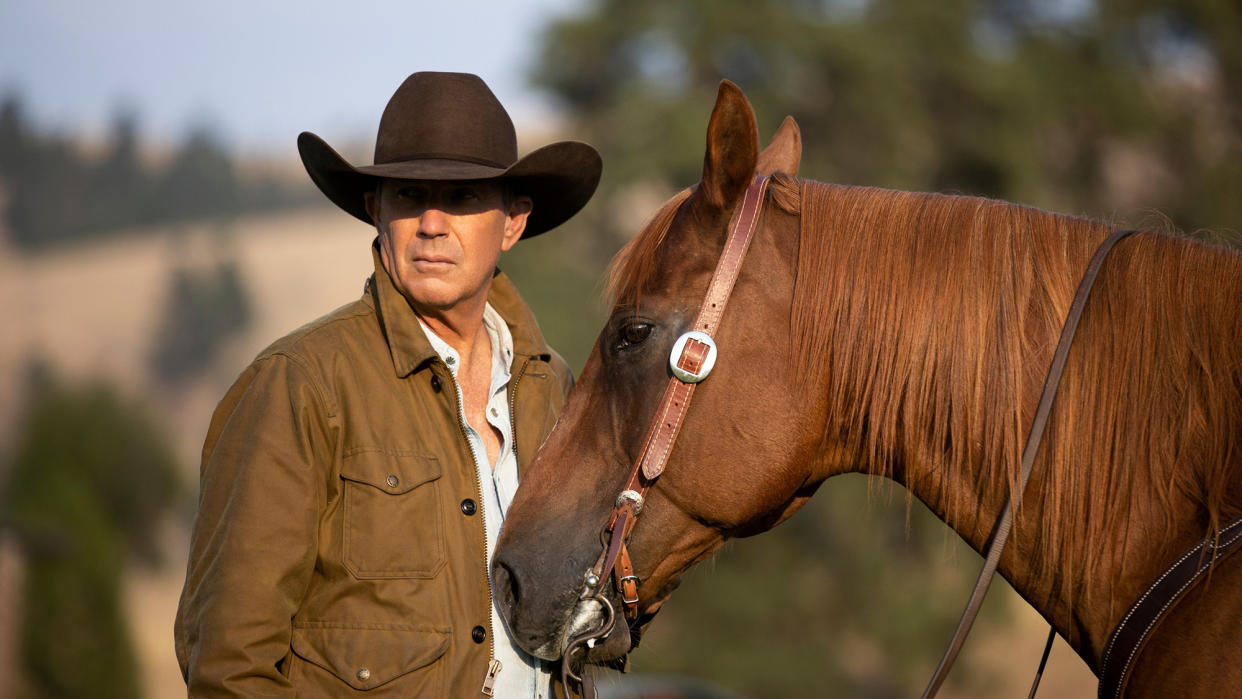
column 433, row 222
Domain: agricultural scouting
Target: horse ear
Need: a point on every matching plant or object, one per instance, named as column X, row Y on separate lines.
column 732, row 148
column 784, row 153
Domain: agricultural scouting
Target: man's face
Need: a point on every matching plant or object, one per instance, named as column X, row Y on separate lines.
column 440, row 241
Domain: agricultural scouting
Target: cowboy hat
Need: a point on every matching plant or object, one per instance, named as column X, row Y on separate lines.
column 449, row 126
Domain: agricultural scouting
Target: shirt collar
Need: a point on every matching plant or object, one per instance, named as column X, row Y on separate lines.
column 497, row 333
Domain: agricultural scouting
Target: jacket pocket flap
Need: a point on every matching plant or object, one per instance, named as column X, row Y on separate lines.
column 391, row 473
column 365, row 658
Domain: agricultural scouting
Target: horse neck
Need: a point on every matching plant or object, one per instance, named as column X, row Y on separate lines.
column 932, row 321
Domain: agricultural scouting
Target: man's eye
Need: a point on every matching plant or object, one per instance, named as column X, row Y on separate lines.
column 410, row 193
column 633, row 334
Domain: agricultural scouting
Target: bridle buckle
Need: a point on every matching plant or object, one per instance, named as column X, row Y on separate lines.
column 621, row 586
column 691, row 363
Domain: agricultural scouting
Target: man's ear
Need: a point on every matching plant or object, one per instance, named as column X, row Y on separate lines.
column 515, row 220
column 372, row 203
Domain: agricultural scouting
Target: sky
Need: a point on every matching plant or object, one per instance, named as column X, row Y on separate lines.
column 258, row 72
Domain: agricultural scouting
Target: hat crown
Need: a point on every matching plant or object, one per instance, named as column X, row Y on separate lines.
column 450, row 116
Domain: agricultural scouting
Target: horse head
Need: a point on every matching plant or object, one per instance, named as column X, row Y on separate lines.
column 750, row 449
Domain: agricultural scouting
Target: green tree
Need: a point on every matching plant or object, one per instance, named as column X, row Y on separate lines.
column 1082, row 107
column 55, row 195
column 205, row 308
column 199, row 182
column 90, row 478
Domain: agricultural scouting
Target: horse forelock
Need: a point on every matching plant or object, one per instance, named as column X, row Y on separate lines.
column 932, row 318
column 633, row 267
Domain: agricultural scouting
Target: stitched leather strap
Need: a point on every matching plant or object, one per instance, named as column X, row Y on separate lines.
column 677, row 394
column 1131, row 634
column 1034, row 437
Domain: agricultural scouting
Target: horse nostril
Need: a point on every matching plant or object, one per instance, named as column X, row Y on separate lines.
column 506, row 587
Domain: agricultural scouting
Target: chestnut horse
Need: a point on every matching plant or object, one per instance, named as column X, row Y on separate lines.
column 906, row 335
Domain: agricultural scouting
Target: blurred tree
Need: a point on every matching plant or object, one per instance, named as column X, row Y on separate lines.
column 199, row 182
column 120, row 186
column 90, row 478
column 1080, row 106
column 205, row 308
column 55, row 195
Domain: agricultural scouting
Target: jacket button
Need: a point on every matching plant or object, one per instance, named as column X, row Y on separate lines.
column 478, row 634
column 364, row 675
column 392, row 481
column 468, row 507
column 436, row 383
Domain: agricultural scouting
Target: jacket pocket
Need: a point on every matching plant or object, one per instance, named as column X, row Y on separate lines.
column 396, row 661
column 393, row 522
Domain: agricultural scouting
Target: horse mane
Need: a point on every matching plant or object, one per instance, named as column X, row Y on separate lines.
column 933, row 318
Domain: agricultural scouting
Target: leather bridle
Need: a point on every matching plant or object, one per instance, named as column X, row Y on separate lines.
column 691, row 360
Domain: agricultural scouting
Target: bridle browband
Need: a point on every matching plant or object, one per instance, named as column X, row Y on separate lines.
column 691, row 360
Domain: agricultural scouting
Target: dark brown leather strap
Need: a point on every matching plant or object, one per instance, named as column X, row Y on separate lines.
column 1034, row 437
column 1128, row 639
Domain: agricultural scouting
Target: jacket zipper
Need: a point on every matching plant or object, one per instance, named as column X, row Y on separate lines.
column 513, row 384
column 493, row 665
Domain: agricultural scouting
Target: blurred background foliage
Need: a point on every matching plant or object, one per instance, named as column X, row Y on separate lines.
column 62, row 191
column 1129, row 110
column 91, row 473
column 1107, row 108
column 205, row 308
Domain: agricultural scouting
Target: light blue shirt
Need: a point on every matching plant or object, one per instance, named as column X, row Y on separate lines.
column 520, row 674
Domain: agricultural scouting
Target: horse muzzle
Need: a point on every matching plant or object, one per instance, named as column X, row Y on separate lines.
column 545, row 625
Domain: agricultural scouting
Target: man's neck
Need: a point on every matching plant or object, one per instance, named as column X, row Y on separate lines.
column 461, row 327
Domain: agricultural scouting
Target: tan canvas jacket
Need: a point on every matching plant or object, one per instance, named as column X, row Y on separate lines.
column 339, row 543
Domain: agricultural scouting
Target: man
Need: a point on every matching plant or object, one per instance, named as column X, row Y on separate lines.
column 355, row 476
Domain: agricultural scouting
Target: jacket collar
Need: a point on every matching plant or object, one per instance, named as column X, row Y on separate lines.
column 408, row 343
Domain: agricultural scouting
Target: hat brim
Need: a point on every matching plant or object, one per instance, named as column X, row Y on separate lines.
column 560, row 178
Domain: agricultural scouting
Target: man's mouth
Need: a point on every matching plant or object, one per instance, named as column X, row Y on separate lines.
column 432, row 262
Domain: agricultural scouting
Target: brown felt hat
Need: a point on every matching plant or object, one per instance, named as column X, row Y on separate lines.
column 449, row 126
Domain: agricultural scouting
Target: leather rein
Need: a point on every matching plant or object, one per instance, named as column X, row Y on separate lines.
column 691, row 360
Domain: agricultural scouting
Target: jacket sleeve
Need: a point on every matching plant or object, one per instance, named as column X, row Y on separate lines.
column 254, row 541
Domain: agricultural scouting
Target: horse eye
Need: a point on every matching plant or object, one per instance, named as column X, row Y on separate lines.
column 633, row 334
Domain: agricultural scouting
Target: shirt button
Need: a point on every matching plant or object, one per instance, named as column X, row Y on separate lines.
column 495, row 413
column 451, row 360
column 436, row 384
column 364, row 675
column 478, row 634
column 468, row 507
column 392, row 481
